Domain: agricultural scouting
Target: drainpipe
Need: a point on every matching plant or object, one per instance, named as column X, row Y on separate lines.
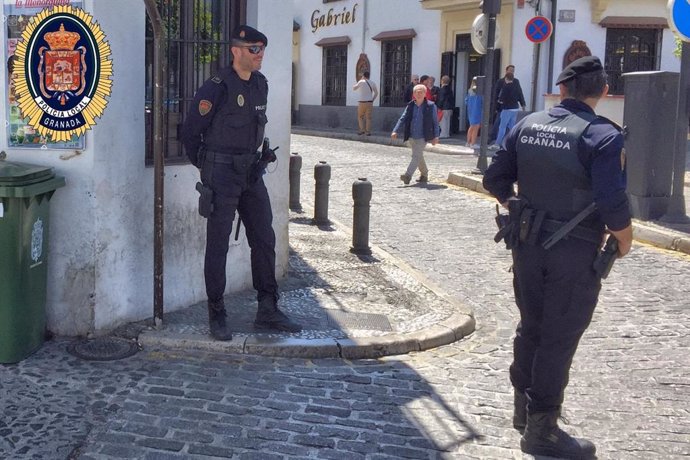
column 535, row 64
column 552, row 43
column 159, row 71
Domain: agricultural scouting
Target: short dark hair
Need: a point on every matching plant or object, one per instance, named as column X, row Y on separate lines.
column 590, row 84
column 423, row 78
column 365, row 74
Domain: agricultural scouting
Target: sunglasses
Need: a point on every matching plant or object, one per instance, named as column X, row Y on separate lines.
column 254, row 49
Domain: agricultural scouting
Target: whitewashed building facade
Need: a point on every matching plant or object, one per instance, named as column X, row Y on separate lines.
column 628, row 35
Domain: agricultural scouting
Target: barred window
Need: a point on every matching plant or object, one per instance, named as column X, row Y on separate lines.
column 396, row 59
column 197, row 42
column 334, row 75
column 630, row 50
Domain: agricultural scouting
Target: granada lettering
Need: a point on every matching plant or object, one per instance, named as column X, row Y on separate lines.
column 545, row 142
column 61, row 124
column 319, row 20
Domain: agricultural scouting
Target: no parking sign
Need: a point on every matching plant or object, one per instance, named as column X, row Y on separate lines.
column 679, row 18
column 538, row 29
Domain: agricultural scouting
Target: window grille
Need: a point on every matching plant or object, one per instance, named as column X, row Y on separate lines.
column 630, row 50
column 197, row 39
column 396, row 58
column 334, row 75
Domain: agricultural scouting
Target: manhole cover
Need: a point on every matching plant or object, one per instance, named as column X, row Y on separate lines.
column 362, row 321
column 103, row 348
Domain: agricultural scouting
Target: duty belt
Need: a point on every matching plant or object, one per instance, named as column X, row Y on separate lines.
column 580, row 232
column 227, row 158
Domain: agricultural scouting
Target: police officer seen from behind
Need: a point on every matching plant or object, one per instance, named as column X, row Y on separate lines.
column 563, row 160
column 222, row 134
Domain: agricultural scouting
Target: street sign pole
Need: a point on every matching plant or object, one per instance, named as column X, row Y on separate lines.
column 482, row 163
column 675, row 213
column 679, row 20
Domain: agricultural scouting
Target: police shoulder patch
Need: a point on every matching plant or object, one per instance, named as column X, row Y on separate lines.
column 204, row 107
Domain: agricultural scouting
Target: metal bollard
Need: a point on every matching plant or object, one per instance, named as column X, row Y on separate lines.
column 322, row 174
column 295, row 168
column 361, row 194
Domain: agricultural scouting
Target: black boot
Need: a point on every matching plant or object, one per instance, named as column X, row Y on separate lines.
column 544, row 437
column 269, row 317
column 519, row 410
column 216, row 321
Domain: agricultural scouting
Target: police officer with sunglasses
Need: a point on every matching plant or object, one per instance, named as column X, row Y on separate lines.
column 222, row 134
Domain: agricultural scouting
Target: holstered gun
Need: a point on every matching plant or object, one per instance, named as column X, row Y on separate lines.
column 509, row 225
column 606, row 257
column 205, row 199
column 503, row 224
column 268, row 155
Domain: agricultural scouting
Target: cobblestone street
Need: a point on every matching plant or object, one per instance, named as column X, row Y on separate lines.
column 630, row 384
column 629, row 388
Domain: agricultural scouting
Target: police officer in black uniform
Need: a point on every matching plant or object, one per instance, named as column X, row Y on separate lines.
column 222, row 133
column 562, row 159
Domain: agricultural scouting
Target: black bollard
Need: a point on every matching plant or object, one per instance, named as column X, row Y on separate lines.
column 322, row 174
column 295, row 168
column 361, row 194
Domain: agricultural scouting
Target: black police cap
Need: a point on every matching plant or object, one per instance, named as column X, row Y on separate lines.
column 581, row 66
column 249, row 34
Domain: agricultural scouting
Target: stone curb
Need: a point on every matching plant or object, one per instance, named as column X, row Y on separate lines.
column 451, row 329
column 448, row 331
column 642, row 232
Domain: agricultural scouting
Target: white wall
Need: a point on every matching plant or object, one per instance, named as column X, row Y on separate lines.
column 380, row 16
column 101, row 229
column 274, row 18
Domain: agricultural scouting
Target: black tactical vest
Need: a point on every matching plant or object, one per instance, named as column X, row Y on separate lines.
column 550, row 174
column 238, row 125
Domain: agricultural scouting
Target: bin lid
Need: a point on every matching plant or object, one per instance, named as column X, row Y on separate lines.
column 14, row 174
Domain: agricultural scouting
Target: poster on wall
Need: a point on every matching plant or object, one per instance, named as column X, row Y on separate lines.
column 17, row 14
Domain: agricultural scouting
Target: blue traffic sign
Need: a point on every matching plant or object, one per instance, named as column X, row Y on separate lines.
column 538, row 29
column 679, row 18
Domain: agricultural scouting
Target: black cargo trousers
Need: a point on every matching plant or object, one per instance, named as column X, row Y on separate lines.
column 238, row 186
column 556, row 291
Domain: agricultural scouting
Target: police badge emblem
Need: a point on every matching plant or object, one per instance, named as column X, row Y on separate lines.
column 62, row 72
column 240, row 100
column 204, row 107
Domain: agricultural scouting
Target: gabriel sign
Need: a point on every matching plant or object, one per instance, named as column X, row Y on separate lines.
column 330, row 18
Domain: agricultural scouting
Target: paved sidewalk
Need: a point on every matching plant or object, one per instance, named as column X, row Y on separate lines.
column 350, row 306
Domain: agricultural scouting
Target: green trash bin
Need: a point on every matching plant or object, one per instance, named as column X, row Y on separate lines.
column 25, row 192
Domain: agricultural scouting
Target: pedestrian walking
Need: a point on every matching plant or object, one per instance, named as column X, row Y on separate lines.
column 419, row 125
column 367, row 94
column 498, row 87
column 563, row 160
column 511, row 99
column 221, row 134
